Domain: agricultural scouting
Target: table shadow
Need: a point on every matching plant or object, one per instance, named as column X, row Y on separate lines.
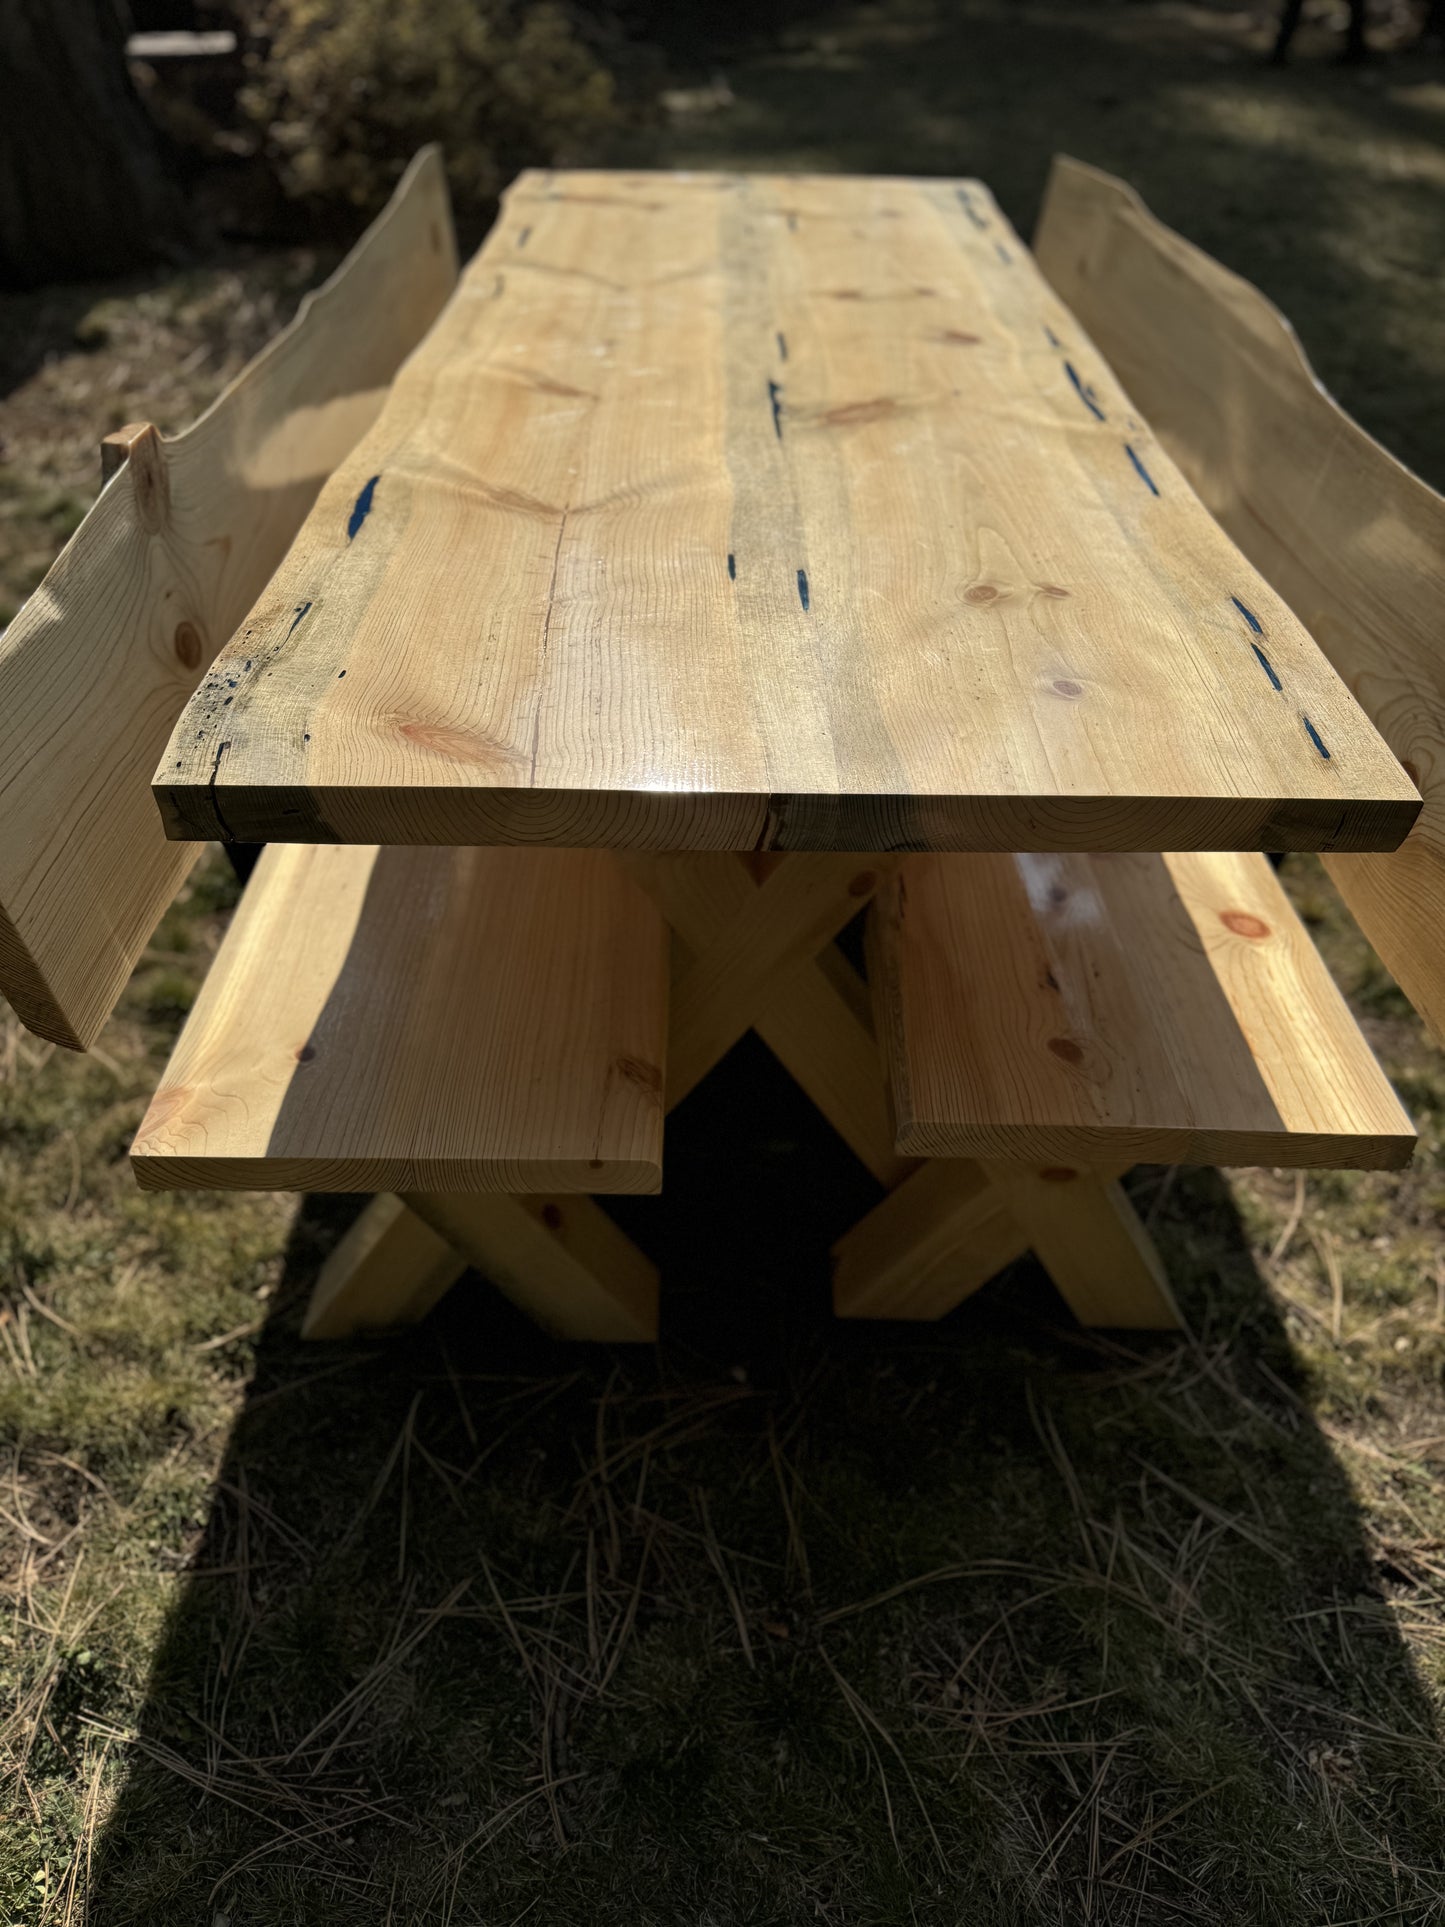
column 784, row 1619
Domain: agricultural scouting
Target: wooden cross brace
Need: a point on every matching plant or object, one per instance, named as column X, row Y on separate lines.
column 754, row 950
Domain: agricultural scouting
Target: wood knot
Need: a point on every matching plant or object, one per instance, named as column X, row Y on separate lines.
column 457, row 745
column 1243, row 924
column 864, row 884
column 1053, row 589
column 187, row 644
column 1066, row 1048
column 982, row 592
column 1066, row 686
column 854, row 413
column 306, row 1053
column 1058, row 1174
column 552, row 1216
column 647, row 1077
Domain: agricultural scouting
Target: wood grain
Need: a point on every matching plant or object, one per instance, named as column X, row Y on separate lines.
column 1106, row 1008
column 1351, row 540
column 95, row 668
column 398, row 1020
column 743, row 512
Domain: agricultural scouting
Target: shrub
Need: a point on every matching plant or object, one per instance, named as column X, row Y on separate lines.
column 345, row 91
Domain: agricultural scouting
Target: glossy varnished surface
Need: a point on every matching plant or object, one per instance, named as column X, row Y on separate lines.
column 724, row 512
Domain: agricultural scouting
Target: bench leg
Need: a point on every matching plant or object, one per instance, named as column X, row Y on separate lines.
column 926, row 1247
column 389, row 1269
column 949, row 1229
column 757, row 952
column 561, row 1260
column 1092, row 1242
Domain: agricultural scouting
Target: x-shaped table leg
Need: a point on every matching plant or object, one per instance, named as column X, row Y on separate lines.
column 758, row 953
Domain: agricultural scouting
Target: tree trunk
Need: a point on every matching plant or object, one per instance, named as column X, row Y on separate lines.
column 83, row 186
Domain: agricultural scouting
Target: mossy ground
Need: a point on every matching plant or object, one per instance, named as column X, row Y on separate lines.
column 993, row 1620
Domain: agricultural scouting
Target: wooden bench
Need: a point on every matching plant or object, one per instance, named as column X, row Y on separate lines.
column 456, row 1025
column 424, row 1020
column 464, row 1023
column 1120, row 1009
column 187, row 532
column 1059, row 1018
column 1351, row 540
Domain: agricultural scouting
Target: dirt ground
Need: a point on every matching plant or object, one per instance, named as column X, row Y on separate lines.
column 993, row 1620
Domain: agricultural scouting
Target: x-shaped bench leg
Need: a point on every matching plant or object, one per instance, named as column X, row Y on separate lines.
column 955, row 1224
column 755, row 951
column 559, row 1259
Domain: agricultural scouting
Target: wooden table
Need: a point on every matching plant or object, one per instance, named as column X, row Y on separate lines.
column 734, row 512
column 797, row 518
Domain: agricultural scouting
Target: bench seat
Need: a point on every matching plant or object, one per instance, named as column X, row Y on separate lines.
column 1115, row 1009
column 422, row 1020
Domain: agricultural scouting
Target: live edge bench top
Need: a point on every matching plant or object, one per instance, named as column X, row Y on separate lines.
column 725, row 511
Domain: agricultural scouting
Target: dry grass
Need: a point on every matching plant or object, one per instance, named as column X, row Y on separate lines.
column 994, row 1620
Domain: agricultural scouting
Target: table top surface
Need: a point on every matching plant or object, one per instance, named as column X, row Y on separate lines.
column 737, row 512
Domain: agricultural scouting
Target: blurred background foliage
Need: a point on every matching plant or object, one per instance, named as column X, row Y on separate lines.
column 342, row 92
column 325, row 101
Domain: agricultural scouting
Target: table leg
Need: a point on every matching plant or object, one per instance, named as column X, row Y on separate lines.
column 758, row 937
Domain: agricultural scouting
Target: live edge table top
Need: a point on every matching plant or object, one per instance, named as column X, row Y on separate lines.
column 735, row 512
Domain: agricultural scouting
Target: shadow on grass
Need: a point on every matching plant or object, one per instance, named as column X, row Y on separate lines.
column 989, row 1620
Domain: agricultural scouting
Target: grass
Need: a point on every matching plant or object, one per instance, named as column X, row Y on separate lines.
column 993, row 1620
column 78, row 362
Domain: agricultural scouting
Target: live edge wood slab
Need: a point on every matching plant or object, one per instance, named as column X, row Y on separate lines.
column 732, row 512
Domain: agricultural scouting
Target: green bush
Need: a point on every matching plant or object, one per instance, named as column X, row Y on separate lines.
column 347, row 90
